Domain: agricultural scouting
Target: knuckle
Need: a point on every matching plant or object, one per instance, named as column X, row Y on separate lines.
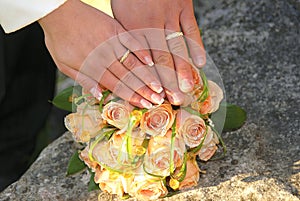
column 126, row 40
column 132, row 81
column 191, row 30
column 128, row 78
column 130, row 62
column 163, row 59
column 176, row 46
column 184, row 68
column 117, row 88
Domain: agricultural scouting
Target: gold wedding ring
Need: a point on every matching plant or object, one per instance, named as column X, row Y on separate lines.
column 174, row 35
column 125, row 55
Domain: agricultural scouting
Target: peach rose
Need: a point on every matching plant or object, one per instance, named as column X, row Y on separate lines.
column 113, row 182
column 117, row 114
column 146, row 187
column 191, row 127
column 158, row 120
column 192, row 174
column 209, row 146
column 85, row 123
column 211, row 104
column 157, row 158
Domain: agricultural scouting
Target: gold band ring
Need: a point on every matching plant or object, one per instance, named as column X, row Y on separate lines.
column 125, row 55
column 173, row 35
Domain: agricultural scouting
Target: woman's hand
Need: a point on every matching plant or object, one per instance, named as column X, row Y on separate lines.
column 87, row 44
column 152, row 21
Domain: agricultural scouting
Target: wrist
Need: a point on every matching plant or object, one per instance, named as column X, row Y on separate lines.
column 57, row 19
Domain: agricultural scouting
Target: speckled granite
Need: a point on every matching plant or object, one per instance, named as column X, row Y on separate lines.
column 256, row 46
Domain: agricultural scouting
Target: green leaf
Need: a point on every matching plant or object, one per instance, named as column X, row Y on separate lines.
column 235, row 117
column 182, row 172
column 125, row 197
column 172, row 165
column 75, row 164
column 104, row 96
column 92, row 184
column 205, row 91
column 64, row 100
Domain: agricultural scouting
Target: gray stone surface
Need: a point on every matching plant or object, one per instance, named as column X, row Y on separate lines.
column 256, row 46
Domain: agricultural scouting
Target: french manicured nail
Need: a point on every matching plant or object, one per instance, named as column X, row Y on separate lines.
column 186, row 85
column 146, row 104
column 200, row 61
column 157, row 99
column 149, row 61
column 96, row 93
column 176, row 98
column 156, row 87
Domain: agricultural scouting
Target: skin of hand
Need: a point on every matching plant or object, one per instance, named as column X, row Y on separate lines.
column 86, row 44
column 151, row 21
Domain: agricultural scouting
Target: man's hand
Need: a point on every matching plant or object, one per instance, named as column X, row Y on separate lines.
column 152, row 21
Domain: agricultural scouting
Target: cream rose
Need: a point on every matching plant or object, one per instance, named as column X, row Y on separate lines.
column 146, row 187
column 113, row 182
column 117, row 114
column 114, row 152
column 209, row 146
column 191, row 127
column 158, row 120
column 158, row 156
column 85, row 123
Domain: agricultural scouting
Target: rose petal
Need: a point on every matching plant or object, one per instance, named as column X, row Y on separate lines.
column 158, row 120
column 117, row 114
column 191, row 127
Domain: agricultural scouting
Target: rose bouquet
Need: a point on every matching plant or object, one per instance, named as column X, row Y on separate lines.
column 146, row 153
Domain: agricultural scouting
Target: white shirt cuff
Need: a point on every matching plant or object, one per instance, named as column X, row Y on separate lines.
column 16, row 14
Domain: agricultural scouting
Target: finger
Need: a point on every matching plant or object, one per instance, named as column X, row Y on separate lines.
column 98, row 66
column 177, row 47
column 129, row 79
column 116, row 86
column 142, row 72
column 86, row 82
column 140, row 36
column 134, row 46
column 108, row 81
column 191, row 32
column 164, row 65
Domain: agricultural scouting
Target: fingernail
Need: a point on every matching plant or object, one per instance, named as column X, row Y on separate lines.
column 199, row 61
column 157, row 99
column 149, row 61
column 96, row 93
column 156, row 87
column 176, row 98
column 186, row 85
column 146, row 104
